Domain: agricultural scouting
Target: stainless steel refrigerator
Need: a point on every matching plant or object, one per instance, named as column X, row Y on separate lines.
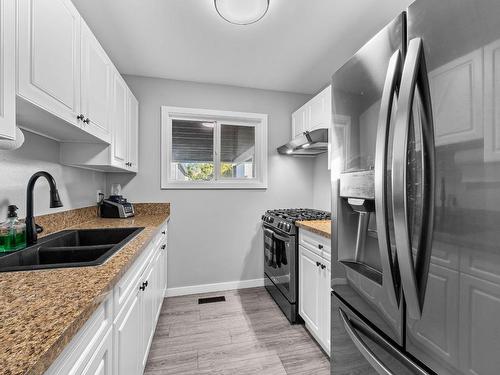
column 416, row 195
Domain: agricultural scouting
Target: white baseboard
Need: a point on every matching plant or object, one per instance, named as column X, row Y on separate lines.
column 207, row 288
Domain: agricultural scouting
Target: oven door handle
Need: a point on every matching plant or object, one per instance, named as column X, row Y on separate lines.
column 284, row 239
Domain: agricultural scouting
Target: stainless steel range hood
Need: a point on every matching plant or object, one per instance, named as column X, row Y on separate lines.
column 307, row 144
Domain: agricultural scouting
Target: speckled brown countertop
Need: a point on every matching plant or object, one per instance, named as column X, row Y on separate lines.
column 41, row 311
column 321, row 227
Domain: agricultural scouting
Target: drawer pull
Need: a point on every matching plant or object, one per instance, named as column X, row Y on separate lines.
column 163, row 247
column 320, row 246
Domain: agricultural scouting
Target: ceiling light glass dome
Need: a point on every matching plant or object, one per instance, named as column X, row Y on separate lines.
column 242, row 12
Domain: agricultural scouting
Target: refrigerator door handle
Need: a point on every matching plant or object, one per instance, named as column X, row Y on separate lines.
column 391, row 88
column 414, row 273
column 354, row 325
column 365, row 350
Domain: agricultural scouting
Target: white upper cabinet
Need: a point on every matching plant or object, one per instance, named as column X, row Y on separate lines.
column 299, row 121
column 49, row 56
column 96, row 86
column 457, row 92
column 133, row 133
column 320, row 110
column 67, row 83
column 7, row 69
column 120, row 121
column 315, row 114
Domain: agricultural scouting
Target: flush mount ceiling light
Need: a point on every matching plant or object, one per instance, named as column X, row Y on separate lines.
column 242, row 12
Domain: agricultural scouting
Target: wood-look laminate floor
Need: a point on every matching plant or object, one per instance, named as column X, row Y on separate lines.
column 245, row 335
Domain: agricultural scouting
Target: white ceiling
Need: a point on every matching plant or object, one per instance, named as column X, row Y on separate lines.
column 296, row 47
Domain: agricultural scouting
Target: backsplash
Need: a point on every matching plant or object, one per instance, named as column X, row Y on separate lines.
column 77, row 187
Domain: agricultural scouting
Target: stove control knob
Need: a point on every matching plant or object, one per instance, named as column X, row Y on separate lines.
column 271, row 219
column 280, row 225
column 288, row 227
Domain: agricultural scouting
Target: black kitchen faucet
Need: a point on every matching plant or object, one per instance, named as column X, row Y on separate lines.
column 32, row 229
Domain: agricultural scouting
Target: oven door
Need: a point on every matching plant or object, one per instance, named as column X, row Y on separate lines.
column 280, row 262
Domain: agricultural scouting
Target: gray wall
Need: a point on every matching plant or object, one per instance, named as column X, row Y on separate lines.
column 215, row 235
column 321, row 183
column 77, row 187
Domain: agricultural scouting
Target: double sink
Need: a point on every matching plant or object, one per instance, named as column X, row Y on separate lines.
column 69, row 248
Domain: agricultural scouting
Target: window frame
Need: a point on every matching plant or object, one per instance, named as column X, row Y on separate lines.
column 257, row 120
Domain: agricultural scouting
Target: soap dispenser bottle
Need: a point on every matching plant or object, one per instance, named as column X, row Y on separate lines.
column 12, row 232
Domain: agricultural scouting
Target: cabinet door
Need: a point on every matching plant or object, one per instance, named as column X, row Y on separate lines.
column 299, row 121
column 147, row 311
column 7, row 69
column 49, row 56
column 325, row 303
column 133, row 133
column 120, row 121
column 309, row 290
column 320, row 110
column 96, row 86
column 127, row 330
column 457, row 92
column 101, row 362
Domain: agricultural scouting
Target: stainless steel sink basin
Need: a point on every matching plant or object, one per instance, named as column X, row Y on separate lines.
column 69, row 248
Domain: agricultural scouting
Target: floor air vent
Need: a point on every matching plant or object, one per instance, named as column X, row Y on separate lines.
column 201, row 301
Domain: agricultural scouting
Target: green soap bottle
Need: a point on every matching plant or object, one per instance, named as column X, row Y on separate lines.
column 12, row 232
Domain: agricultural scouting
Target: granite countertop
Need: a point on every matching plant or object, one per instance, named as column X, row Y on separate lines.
column 41, row 311
column 321, row 227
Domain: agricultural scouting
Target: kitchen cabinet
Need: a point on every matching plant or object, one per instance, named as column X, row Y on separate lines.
column 133, row 134
column 491, row 102
column 127, row 330
column 117, row 337
column 315, row 114
column 101, row 362
column 96, row 87
column 457, row 92
column 314, row 290
column 320, row 110
column 299, row 121
column 49, row 57
column 67, row 83
column 7, row 69
column 120, row 122
column 122, row 154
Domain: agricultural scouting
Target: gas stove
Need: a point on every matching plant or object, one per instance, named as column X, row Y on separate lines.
column 284, row 219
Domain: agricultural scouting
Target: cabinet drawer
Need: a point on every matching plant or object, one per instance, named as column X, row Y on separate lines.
column 77, row 354
column 315, row 243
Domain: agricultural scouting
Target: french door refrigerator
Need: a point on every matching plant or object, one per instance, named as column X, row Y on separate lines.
column 416, row 196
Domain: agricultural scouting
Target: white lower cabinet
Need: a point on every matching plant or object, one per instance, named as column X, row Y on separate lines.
column 127, row 330
column 314, row 295
column 101, row 362
column 117, row 337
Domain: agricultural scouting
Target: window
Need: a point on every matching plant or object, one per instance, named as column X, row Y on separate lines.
column 207, row 149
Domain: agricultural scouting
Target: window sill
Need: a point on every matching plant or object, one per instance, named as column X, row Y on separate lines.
column 219, row 186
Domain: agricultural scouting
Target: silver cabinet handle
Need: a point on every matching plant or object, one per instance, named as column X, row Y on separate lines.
column 390, row 89
column 365, row 351
column 413, row 273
